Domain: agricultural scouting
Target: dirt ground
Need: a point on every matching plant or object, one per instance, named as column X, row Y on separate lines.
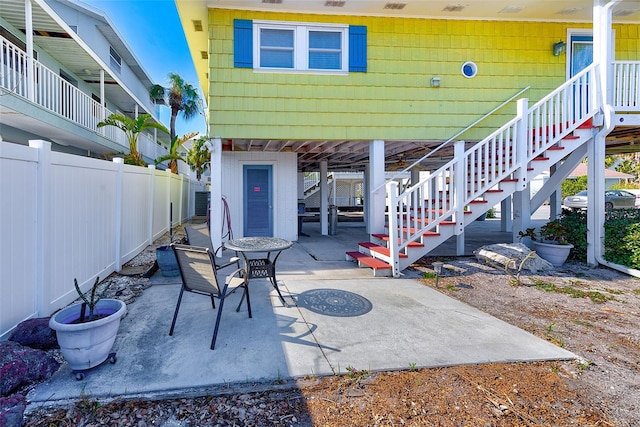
column 594, row 313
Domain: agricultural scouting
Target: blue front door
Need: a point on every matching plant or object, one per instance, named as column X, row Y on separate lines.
column 258, row 211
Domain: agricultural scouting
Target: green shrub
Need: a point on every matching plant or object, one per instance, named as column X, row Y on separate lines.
column 572, row 186
column 622, row 237
column 575, row 221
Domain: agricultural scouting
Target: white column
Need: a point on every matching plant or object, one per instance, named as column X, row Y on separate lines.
column 506, row 220
column 555, row 200
column 365, row 198
column 595, row 197
column 42, row 257
column 324, row 202
column 334, row 190
column 602, row 46
column 300, row 185
column 118, row 213
column 521, row 212
column 215, row 217
column 377, row 190
column 460, row 195
column 103, row 102
column 152, row 186
column 28, row 19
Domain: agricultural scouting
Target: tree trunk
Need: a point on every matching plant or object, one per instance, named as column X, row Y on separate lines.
column 172, row 124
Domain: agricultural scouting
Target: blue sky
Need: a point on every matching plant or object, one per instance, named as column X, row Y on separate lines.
column 153, row 31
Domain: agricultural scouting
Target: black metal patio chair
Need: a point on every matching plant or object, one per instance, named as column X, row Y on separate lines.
column 198, row 270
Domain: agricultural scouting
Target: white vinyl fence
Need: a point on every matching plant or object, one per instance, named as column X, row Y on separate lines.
column 64, row 217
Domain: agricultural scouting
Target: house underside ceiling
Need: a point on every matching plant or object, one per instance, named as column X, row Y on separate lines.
column 354, row 155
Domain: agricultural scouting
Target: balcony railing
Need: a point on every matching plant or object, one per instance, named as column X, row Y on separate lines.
column 60, row 97
column 626, row 86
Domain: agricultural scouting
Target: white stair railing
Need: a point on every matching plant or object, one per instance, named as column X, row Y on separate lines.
column 503, row 154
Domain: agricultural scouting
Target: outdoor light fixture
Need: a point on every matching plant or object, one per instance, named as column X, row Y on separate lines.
column 437, row 267
column 558, row 48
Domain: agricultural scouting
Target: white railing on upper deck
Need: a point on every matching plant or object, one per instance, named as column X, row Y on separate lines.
column 58, row 96
column 50, row 91
column 626, row 86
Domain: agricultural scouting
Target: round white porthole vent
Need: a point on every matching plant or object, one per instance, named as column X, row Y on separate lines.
column 469, row 69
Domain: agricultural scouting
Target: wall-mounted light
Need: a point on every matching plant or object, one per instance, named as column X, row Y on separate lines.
column 559, row 48
column 435, row 81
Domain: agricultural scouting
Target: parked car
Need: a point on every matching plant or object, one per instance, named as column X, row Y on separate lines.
column 613, row 199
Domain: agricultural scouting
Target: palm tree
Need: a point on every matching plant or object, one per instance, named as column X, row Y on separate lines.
column 198, row 157
column 180, row 96
column 132, row 128
column 173, row 156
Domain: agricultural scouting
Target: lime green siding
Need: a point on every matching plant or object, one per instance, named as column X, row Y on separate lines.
column 393, row 99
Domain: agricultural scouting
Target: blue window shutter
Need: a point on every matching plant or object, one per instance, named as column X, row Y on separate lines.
column 357, row 48
column 242, row 43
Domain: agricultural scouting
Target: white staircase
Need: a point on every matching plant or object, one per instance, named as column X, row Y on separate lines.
column 428, row 213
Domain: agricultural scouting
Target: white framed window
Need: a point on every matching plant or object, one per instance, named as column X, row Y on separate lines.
column 300, row 47
column 115, row 59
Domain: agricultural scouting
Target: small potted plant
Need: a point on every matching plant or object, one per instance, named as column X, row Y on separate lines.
column 551, row 242
column 86, row 331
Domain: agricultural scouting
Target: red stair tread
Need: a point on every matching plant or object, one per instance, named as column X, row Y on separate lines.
column 367, row 260
column 386, row 237
column 380, row 249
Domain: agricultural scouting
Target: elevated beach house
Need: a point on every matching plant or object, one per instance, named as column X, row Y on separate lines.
column 476, row 98
column 64, row 67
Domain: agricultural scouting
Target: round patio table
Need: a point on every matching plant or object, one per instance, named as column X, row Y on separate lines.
column 260, row 267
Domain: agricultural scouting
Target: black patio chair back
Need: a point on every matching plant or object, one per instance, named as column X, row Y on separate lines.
column 199, row 275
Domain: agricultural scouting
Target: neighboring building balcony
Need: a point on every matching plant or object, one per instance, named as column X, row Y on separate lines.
column 65, row 101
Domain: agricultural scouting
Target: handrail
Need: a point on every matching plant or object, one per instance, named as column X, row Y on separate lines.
column 448, row 141
column 505, row 153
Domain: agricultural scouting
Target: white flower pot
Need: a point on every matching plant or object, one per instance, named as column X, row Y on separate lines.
column 85, row 345
column 555, row 253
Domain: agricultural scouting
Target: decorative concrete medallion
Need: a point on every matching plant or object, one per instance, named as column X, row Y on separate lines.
column 334, row 302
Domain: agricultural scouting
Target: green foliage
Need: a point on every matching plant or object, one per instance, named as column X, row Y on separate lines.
column 625, row 186
column 575, row 223
column 181, row 96
column 90, row 298
column 622, row 237
column 132, row 129
column 594, row 296
column 573, row 186
column 173, row 156
column 491, row 213
column 198, row 157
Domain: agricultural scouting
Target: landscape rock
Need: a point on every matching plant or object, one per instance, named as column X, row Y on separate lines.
column 35, row 333
column 20, row 365
column 11, row 410
column 512, row 255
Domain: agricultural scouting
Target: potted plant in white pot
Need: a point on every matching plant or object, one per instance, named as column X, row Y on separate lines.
column 86, row 331
column 551, row 244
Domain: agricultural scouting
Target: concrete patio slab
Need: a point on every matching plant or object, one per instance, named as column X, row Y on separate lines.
column 338, row 316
